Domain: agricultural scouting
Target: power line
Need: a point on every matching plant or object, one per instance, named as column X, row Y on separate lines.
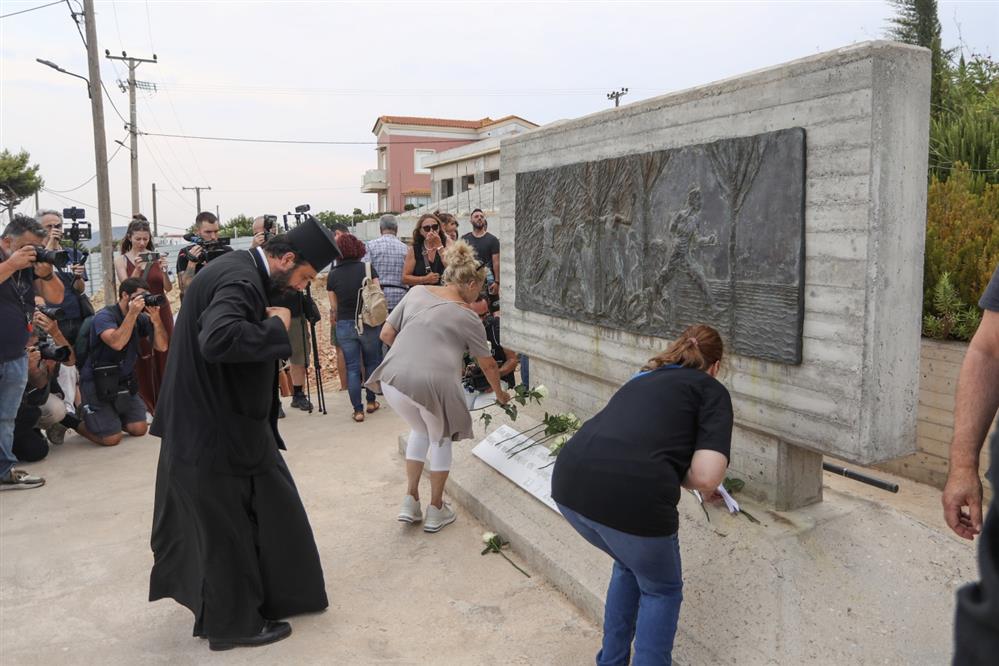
column 299, row 141
column 92, row 177
column 149, row 27
column 25, row 11
column 76, row 22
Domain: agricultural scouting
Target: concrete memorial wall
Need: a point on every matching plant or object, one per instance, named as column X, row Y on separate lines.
column 786, row 207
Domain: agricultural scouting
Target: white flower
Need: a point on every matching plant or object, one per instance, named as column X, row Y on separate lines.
column 541, row 390
column 488, row 536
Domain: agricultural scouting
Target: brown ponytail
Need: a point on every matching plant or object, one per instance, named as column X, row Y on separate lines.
column 699, row 346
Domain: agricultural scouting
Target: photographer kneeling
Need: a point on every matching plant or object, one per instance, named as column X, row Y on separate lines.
column 506, row 359
column 107, row 379
column 43, row 404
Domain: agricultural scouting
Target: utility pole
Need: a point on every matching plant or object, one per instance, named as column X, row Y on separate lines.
column 155, row 226
column 617, row 95
column 100, row 154
column 133, row 128
column 197, row 194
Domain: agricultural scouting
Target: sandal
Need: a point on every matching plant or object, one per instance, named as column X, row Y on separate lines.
column 373, row 407
column 359, row 417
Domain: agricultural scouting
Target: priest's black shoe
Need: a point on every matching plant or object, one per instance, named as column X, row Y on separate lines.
column 271, row 633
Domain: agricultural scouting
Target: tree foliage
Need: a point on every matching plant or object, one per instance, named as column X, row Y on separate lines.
column 241, row 225
column 18, row 179
column 916, row 22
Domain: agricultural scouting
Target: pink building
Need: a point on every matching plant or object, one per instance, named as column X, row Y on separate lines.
column 405, row 142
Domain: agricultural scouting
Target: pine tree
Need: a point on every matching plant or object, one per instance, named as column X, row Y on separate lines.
column 916, row 22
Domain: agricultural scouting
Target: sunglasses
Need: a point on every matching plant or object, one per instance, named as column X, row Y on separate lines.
column 431, row 227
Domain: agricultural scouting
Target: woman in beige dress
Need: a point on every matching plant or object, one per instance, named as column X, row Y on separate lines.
column 429, row 332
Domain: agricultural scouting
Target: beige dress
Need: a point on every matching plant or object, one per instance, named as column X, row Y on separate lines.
column 427, row 358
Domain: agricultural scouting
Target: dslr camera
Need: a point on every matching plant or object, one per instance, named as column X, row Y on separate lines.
column 154, row 300
column 49, row 350
column 51, row 311
column 58, row 258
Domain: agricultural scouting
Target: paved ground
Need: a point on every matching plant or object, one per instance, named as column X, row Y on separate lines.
column 74, row 565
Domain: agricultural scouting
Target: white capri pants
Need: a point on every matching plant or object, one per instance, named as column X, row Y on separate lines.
column 426, row 430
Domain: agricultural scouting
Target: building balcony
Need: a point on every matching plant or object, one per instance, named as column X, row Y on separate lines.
column 374, row 181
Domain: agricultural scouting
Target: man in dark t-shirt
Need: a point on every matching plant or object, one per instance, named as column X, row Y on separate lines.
column 108, row 386
column 976, row 628
column 193, row 258
column 487, row 248
column 21, row 277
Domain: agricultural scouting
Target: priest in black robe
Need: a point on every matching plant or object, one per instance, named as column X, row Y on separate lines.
column 231, row 540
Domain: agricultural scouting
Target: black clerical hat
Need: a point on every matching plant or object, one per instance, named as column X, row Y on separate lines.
column 315, row 243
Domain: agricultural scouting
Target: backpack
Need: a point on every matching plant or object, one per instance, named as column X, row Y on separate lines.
column 372, row 309
column 82, row 345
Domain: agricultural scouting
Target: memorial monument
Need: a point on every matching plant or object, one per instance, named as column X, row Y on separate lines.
column 786, row 207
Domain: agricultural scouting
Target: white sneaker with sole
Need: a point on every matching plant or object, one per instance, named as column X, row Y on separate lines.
column 18, row 479
column 410, row 511
column 438, row 518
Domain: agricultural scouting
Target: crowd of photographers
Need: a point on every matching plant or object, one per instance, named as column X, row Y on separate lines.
column 65, row 365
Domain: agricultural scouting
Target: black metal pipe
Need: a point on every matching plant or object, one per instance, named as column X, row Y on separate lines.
column 863, row 478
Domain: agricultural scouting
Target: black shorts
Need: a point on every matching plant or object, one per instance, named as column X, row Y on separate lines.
column 104, row 419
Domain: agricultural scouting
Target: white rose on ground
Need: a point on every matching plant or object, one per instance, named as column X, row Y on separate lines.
column 488, row 536
column 541, row 390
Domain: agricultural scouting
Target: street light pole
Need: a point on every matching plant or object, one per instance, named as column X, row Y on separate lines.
column 100, row 154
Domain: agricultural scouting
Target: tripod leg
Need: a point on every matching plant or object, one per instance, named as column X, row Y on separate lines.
column 305, row 366
column 320, row 395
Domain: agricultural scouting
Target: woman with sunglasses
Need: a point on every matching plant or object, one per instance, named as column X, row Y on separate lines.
column 425, row 261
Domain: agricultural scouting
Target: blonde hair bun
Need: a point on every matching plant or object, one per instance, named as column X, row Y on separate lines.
column 462, row 264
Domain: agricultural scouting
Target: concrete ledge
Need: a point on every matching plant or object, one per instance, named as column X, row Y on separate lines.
column 830, row 583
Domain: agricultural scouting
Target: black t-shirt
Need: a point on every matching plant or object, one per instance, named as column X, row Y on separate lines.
column 345, row 280
column 484, row 247
column 17, row 305
column 990, row 299
column 624, row 467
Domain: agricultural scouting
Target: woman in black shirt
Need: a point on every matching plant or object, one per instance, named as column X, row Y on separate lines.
column 618, row 481
column 361, row 351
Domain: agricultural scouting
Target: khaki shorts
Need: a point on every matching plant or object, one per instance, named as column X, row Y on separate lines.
column 299, row 347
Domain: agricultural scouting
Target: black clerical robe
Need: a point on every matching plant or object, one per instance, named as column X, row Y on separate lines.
column 231, row 540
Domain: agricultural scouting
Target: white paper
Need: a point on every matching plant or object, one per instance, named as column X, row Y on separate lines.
column 530, row 469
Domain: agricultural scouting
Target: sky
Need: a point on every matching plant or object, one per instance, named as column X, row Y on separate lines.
column 327, row 70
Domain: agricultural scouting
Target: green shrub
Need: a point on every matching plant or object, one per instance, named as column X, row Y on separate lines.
column 962, row 236
column 950, row 318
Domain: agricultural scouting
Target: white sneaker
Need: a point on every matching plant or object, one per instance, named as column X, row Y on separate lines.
column 438, row 518
column 410, row 511
column 18, row 479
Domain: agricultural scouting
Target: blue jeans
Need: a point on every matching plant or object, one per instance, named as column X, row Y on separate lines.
column 13, row 380
column 357, row 349
column 525, row 370
column 643, row 600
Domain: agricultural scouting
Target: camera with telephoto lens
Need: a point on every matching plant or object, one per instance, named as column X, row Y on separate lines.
column 213, row 248
column 154, row 300
column 51, row 311
column 49, row 350
column 58, row 258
